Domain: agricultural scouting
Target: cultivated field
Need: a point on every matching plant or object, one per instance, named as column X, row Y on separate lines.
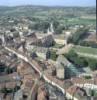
column 85, row 50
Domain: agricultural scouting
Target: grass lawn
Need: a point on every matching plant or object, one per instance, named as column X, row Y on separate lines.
column 87, row 50
column 79, row 21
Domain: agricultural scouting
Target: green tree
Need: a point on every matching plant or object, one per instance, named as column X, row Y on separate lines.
column 59, row 29
column 78, row 36
column 53, row 55
column 74, row 58
column 8, row 70
column 48, row 54
column 92, row 64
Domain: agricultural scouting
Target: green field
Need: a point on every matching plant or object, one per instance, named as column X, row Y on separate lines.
column 80, row 21
column 87, row 50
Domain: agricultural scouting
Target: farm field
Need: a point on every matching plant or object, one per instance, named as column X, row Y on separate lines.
column 85, row 50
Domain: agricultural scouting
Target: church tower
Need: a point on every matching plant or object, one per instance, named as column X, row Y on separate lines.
column 3, row 40
column 51, row 29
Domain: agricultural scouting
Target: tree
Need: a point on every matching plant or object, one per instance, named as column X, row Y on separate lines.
column 81, row 62
column 8, row 70
column 59, row 29
column 53, row 55
column 2, row 67
column 56, row 24
column 33, row 55
column 92, row 64
column 74, row 58
column 88, row 44
column 40, row 26
column 48, row 54
column 78, row 36
column 71, row 55
column 92, row 93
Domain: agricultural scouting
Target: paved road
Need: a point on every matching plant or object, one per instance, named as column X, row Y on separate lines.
column 50, row 80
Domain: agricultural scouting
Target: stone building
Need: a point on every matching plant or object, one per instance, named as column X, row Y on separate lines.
column 61, row 67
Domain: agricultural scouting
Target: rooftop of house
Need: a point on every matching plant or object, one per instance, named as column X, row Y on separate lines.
column 68, row 83
column 77, row 92
column 9, row 78
column 27, row 84
column 42, row 93
column 47, row 40
column 82, row 80
column 31, row 35
column 8, row 60
column 12, row 85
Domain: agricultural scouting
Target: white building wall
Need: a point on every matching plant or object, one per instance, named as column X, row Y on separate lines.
column 61, row 73
column 90, row 86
